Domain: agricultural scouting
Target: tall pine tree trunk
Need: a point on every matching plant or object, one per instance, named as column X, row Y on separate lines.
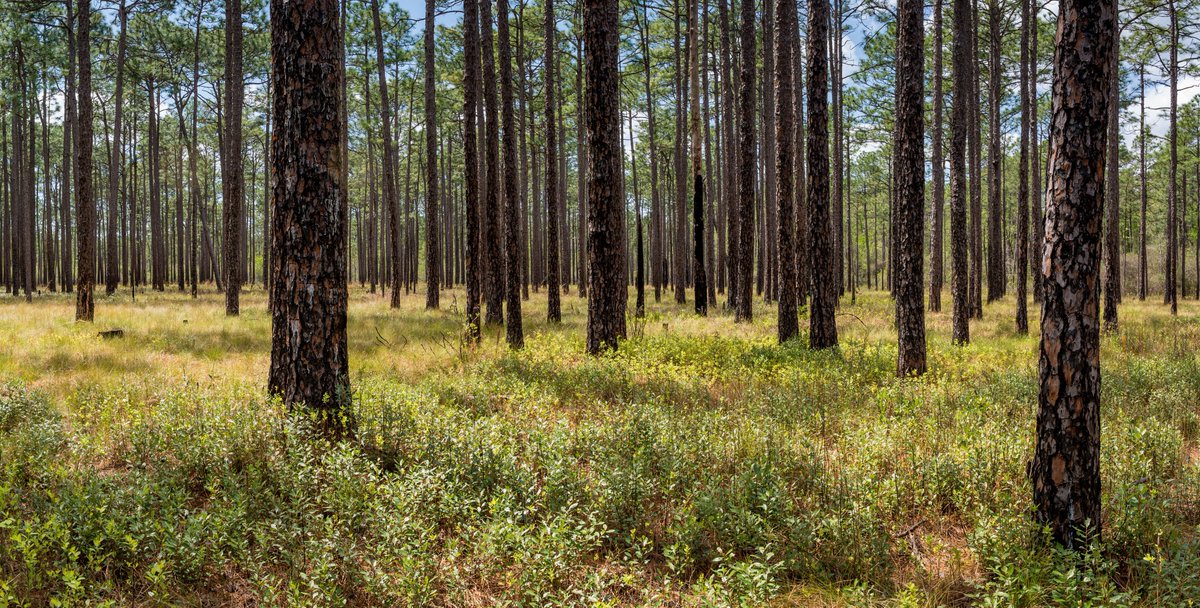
column 1112, row 198
column 471, row 170
column 1172, row 270
column 960, row 284
column 111, row 275
column 699, row 272
column 785, row 27
column 910, row 186
column 995, row 248
column 821, row 242
column 85, row 305
column 234, row 174
column 512, row 198
column 495, row 282
column 1065, row 470
column 553, row 277
column 938, row 172
column 606, row 256
column 747, row 164
column 433, row 266
column 309, row 349
column 390, row 164
column 1022, row 314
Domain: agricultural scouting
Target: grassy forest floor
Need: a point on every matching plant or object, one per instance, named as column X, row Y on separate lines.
column 700, row 465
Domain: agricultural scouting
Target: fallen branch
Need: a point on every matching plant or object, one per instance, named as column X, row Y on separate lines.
column 911, row 528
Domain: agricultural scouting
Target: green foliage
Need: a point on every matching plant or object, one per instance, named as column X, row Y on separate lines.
column 691, row 467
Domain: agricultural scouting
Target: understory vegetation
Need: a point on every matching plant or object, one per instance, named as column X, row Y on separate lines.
column 701, row 465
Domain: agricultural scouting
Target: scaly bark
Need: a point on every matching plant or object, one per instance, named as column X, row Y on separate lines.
column 1022, row 314
column 473, row 245
column 910, row 186
column 995, row 247
column 553, row 290
column 960, row 289
column 512, row 198
column 1172, row 270
column 606, row 255
column 1065, row 470
column 494, row 285
column 85, row 305
column 433, row 265
column 788, row 325
column 309, row 350
column 938, row 171
column 822, row 285
column 111, row 272
column 233, row 169
column 747, row 164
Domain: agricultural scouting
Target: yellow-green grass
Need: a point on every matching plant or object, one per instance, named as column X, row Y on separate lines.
column 702, row 464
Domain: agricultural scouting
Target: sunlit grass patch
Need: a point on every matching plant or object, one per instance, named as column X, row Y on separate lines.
column 701, row 464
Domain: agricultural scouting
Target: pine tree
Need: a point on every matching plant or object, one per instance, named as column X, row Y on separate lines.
column 309, row 349
column 85, row 201
column 910, row 186
column 606, row 259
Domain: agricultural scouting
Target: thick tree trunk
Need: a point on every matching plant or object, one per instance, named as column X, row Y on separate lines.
column 471, row 170
column 1065, row 470
column 747, row 164
column 730, row 191
column 1022, row 314
column 85, row 306
column 768, row 264
column 309, row 350
column 512, row 198
column 433, row 265
column 834, row 43
column 111, row 272
column 234, row 173
column 1036, row 164
column 910, row 186
column 1172, row 270
column 553, row 280
column 821, row 243
column 712, row 198
column 581, row 162
column 699, row 272
column 800, row 243
column 785, row 26
column 974, row 162
column 938, row 171
column 995, row 248
column 606, row 255
column 494, row 285
column 960, row 289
